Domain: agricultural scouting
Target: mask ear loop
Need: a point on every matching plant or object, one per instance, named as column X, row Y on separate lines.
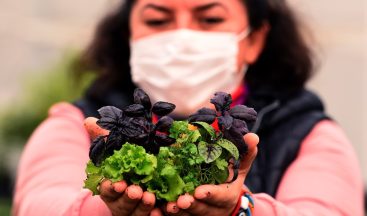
column 244, row 34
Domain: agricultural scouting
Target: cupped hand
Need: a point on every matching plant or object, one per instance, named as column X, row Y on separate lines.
column 217, row 200
column 120, row 198
column 123, row 200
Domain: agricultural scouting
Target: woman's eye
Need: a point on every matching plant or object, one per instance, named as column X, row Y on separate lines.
column 156, row 22
column 211, row 20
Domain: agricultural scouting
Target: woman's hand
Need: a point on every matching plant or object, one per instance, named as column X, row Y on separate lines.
column 120, row 198
column 216, row 200
column 207, row 200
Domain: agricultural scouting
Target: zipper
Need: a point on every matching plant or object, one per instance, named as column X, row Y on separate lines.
column 262, row 113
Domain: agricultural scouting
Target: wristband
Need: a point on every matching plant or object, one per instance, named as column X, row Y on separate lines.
column 245, row 205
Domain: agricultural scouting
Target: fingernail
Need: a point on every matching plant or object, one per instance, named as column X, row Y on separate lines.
column 110, row 187
column 172, row 208
column 119, row 187
column 132, row 196
column 201, row 195
column 134, row 192
column 147, row 203
column 175, row 209
column 188, row 203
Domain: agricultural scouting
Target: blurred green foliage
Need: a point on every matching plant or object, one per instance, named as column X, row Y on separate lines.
column 5, row 206
column 19, row 118
column 40, row 91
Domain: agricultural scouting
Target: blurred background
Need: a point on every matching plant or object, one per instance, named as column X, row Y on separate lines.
column 39, row 40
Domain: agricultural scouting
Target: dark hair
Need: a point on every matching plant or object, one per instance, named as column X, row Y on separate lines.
column 284, row 65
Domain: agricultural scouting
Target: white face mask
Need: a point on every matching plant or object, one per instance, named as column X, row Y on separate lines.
column 187, row 67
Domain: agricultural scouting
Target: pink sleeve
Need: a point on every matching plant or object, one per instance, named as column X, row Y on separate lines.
column 324, row 180
column 51, row 170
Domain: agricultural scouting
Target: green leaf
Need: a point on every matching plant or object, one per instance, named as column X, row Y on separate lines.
column 194, row 136
column 92, row 183
column 192, row 148
column 199, row 160
column 189, row 187
column 229, row 146
column 221, row 163
column 147, row 166
column 191, row 161
column 92, row 169
column 174, row 182
column 210, row 152
column 94, row 177
column 191, row 177
column 164, row 152
column 178, row 128
column 207, row 127
column 130, row 162
column 221, row 177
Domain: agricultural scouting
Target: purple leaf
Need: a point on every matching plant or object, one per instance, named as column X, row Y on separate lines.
column 222, row 101
column 110, row 117
column 140, row 97
column 225, row 122
column 163, row 139
column 244, row 113
column 203, row 115
column 164, row 124
column 163, row 108
column 236, row 138
column 240, row 126
column 97, row 150
column 134, row 110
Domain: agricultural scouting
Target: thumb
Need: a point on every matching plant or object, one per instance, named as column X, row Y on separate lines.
column 93, row 129
column 252, row 140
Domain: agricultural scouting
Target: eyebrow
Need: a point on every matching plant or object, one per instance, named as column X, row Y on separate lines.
column 196, row 9
column 209, row 6
column 157, row 7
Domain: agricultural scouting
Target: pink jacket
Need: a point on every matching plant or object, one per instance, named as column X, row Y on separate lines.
column 324, row 179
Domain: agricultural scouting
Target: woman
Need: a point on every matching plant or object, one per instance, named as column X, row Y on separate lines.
column 183, row 51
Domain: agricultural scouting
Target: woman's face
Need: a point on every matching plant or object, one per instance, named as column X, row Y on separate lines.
column 150, row 17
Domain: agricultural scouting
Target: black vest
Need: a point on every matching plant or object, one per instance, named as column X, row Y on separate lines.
column 282, row 125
